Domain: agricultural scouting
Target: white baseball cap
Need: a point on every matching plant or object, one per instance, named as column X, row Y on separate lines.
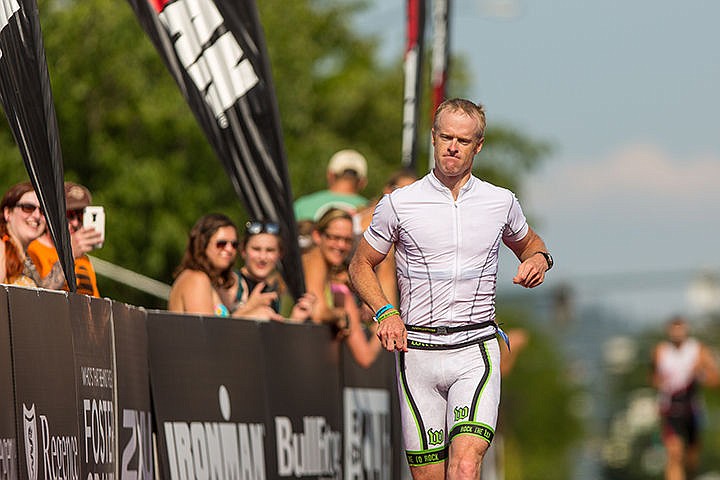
column 348, row 160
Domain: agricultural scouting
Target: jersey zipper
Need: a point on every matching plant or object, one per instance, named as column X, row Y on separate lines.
column 456, row 221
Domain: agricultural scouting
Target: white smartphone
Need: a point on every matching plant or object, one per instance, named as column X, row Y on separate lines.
column 94, row 217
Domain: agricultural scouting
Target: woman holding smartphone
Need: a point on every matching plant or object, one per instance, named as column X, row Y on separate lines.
column 206, row 284
column 260, row 288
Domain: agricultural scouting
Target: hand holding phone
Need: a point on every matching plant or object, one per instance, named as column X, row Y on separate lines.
column 94, row 217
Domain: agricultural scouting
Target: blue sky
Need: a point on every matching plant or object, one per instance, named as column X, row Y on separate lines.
column 627, row 93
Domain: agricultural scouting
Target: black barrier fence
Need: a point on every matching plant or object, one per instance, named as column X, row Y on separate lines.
column 99, row 390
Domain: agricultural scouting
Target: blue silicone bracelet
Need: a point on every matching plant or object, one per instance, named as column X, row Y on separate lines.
column 383, row 310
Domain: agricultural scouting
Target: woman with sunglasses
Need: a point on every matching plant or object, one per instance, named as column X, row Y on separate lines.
column 21, row 223
column 205, row 274
column 326, row 277
column 259, row 280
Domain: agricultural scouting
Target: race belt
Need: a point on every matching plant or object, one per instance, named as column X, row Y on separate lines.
column 442, row 330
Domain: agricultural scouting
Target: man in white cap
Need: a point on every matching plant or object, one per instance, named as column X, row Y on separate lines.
column 346, row 177
column 44, row 256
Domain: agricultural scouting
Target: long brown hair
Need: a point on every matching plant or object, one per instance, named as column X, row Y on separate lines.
column 195, row 257
column 13, row 261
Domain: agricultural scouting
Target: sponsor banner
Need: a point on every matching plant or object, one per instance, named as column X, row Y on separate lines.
column 94, row 364
column 231, row 398
column 208, row 386
column 369, row 436
column 215, row 50
column 134, row 423
column 368, row 447
column 303, row 395
column 28, row 103
column 8, row 436
column 49, row 442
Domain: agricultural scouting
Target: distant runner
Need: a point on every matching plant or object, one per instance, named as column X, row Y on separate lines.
column 680, row 365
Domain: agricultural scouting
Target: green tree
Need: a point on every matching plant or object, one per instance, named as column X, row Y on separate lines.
column 332, row 91
column 536, row 419
column 128, row 135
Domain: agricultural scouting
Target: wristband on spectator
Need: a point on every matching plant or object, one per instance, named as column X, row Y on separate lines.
column 383, row 310
column 387, row 314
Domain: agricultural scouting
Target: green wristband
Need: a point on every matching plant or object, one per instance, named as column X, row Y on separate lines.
column 388, row 313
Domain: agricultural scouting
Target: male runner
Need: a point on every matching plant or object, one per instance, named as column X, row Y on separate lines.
column 680, row 365
column 447, row 229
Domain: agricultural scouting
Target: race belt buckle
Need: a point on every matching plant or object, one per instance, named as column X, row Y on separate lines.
column 441, row 330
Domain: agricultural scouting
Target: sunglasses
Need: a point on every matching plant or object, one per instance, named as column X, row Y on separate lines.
column 221, row 244
column 338, row 238
column 29, row 208
column 253, row 228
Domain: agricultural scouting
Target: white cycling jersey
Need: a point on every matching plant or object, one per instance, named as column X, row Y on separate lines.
column 677, row 365
column 446, row 252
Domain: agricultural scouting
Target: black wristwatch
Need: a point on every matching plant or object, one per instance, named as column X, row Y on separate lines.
column 548, row 259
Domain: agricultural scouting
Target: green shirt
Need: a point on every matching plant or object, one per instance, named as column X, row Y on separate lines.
column 314, row 205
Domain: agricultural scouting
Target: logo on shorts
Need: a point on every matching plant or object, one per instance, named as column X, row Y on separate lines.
column 435, row 437
column 31, row 442
column 461, row 412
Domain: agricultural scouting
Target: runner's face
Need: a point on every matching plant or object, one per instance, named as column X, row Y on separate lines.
column 677, row 333
column 337, row 241
column 222, row 248
column 455, row 143
column 261, row 254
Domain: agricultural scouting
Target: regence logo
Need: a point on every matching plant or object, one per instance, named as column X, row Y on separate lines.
column 59, row 453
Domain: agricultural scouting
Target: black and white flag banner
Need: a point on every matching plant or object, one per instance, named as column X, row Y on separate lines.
column 216, row 52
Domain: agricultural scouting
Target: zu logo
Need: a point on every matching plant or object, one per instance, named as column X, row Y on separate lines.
column 435, row 437
column 461, row 412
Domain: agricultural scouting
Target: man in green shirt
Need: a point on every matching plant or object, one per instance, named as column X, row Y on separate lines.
column 346, row 177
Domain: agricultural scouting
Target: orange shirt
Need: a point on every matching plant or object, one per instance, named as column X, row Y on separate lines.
column 45, row 256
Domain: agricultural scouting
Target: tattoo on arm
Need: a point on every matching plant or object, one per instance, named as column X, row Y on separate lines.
column 55, row 279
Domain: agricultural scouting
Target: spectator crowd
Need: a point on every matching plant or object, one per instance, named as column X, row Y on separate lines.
column 208, row 280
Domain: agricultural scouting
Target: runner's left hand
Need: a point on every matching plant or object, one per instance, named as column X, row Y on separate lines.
column 531, row 272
